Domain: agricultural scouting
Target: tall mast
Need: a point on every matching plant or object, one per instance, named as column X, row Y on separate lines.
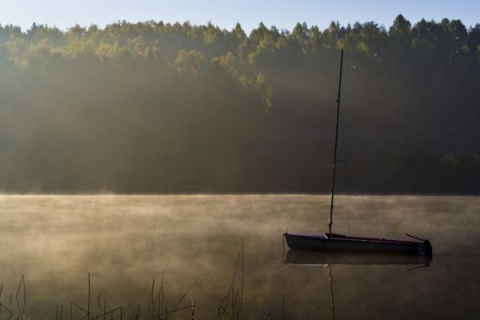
column 330, row 222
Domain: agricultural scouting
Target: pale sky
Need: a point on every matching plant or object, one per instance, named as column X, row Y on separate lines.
column 283, row 14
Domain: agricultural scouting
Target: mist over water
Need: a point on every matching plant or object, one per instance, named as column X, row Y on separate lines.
column 125, row 242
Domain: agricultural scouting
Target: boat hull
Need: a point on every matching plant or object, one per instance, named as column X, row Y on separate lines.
column 341, row 243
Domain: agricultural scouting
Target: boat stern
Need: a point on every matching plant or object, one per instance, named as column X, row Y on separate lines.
column 428, row 248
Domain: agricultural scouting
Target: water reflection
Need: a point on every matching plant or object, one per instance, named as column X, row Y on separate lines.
column 330, row 297
column 330, row 261
column 149, row 255
column 331, row 258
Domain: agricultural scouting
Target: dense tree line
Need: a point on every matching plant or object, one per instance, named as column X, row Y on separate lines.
column 152, row 107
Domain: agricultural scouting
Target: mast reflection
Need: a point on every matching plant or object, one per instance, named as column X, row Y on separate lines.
column 315, row 258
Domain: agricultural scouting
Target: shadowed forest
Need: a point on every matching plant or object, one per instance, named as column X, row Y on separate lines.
column 159, row 108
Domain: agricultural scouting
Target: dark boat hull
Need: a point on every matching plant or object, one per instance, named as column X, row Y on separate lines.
column 340, row 243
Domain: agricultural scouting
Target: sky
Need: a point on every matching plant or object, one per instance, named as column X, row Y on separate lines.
column 283, row 14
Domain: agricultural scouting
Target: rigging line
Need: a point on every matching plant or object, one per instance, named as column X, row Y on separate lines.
column 305, row 178
column 344, row 144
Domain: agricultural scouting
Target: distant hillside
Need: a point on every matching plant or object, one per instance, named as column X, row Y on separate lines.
column 160, row 108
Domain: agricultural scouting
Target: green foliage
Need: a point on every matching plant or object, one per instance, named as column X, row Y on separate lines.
column 189, row 62
column 155, row 107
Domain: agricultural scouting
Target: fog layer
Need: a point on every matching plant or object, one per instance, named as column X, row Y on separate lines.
column 125, row 242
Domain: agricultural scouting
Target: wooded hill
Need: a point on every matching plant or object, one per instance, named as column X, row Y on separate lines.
column 159, row 108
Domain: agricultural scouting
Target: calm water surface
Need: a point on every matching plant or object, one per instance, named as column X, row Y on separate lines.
column 63, row 256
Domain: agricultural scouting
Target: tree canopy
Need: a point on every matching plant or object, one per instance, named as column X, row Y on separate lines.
column 159, row 107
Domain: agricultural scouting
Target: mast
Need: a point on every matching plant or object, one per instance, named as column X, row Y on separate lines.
column 334, row 166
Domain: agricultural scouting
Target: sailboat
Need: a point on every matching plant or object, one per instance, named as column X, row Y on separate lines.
column 332, row 242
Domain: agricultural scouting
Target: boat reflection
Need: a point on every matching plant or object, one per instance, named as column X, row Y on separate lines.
column 330, row 259
column 316, row 258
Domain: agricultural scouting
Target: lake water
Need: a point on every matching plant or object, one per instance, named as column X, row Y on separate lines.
column 149, row 257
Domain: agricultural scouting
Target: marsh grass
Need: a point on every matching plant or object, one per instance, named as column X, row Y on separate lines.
column 157, row 305
column 157, row 309
column 81, row 312
column 231, row 305
column 19, row 306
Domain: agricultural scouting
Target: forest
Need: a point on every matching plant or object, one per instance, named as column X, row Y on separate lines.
column 153, row 107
